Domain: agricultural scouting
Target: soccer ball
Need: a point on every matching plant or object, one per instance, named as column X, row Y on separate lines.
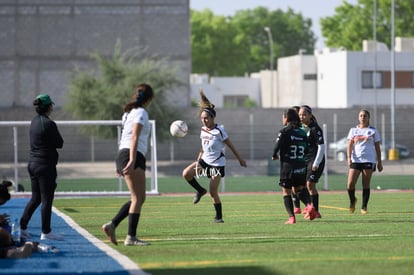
column 178, row 128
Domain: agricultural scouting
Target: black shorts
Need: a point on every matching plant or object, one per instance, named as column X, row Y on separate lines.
column 362, row 166
column 210, row 171
column 313, row 176
column 292, row 176
column 123, row 158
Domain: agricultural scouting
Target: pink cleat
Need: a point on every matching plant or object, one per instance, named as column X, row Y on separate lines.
column 291, row 220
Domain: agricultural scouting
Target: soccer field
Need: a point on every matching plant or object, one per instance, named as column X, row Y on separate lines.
column 254, row 239
column 231, row 184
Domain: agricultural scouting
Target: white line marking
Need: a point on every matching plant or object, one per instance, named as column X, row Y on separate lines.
column 125, row 262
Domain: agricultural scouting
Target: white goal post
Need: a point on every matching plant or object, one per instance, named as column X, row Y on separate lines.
column 118, row 123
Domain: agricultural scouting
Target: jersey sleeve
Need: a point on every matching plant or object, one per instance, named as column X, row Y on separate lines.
column 141, row 116
column 319, row 135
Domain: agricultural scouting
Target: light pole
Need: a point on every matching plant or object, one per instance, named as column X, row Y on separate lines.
column 393, row 154
column 269, row 34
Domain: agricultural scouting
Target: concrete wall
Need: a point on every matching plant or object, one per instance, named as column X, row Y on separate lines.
column 42, row 41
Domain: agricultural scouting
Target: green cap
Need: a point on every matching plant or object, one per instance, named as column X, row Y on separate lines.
column 45, row 99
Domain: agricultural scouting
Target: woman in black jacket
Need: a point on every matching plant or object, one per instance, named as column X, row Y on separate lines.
column 44, row 140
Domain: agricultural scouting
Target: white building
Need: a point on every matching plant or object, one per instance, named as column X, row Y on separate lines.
column 331, row 78
column 346, row 78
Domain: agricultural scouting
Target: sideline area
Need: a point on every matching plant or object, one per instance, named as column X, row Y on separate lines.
column 79, row 253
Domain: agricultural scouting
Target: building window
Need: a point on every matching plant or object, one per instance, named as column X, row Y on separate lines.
column 368, row 79
column 309, row 77
column 233, row 101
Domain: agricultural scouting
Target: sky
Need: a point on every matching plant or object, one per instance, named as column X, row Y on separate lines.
column 313, row 9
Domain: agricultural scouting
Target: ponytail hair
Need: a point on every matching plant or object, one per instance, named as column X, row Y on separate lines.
column 143, row 94
column 206, row 105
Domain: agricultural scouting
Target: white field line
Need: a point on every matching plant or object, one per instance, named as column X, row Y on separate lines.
column 124, row 261
column 269, row 237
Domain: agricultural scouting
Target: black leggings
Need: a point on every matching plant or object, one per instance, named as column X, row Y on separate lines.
column 43, row 179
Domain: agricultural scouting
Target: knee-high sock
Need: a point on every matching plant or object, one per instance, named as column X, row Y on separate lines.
column 365, row 197
column 315, row 201
column 218, row 208
column 287, row 200
column 122, row 214
column 296, row 201
column 194, row 183
column 133, row 219
column 304, row 196
column 351, row 194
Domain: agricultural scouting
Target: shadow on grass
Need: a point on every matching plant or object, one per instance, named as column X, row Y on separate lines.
column 256, row 270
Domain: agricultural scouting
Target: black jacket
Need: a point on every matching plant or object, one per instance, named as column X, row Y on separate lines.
column 44, row 140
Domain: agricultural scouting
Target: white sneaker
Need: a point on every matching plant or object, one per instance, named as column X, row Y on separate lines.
column 134, row 241
column 51, row 236
column 25, row 235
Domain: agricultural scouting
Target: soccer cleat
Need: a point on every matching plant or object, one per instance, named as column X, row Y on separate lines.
column 364, row 211
column 198, row 196
column 134, row 241
column 297, row 210
column 352, row 206
column 218, row 220
column 306, row 209
column 291, row 220
column 318, row 215
column 109, row 230
column 310, row 213
column 51, row 236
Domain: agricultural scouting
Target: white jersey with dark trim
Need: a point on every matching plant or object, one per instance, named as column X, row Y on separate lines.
column 212, row 142
column 364, row 148
column 140, row 116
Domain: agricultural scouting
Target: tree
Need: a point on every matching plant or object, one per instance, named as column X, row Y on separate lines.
column 101, row 95
column 236, row 45
column 352, row 24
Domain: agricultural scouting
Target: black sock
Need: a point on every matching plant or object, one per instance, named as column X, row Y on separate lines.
column 133, row 219
column 296, row 201
column 304, row 196
column 287, row 200
column 315, row 201
column 194, row 183
column 351, row 194
column 219, row 214
column 365, row 197
column 122, row 214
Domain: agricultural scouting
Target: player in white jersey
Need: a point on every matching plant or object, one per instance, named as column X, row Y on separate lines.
column 130, row 163
column 363, row 155
column 211, row 160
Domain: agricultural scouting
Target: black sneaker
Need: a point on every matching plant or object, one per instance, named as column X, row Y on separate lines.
column 198, row 196
column 218, row 220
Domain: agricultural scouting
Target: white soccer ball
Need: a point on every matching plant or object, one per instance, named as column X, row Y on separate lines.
column 178, row 128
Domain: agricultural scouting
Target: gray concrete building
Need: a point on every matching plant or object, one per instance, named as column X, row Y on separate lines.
column 41, row 41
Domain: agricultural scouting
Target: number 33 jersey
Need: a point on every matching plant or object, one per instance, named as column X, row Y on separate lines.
column 291, row 144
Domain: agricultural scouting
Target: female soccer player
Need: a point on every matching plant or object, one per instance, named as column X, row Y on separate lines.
column 130, row 163
column 290, row 148
column 363, row 153
column 315, row 158
column 211, row 160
